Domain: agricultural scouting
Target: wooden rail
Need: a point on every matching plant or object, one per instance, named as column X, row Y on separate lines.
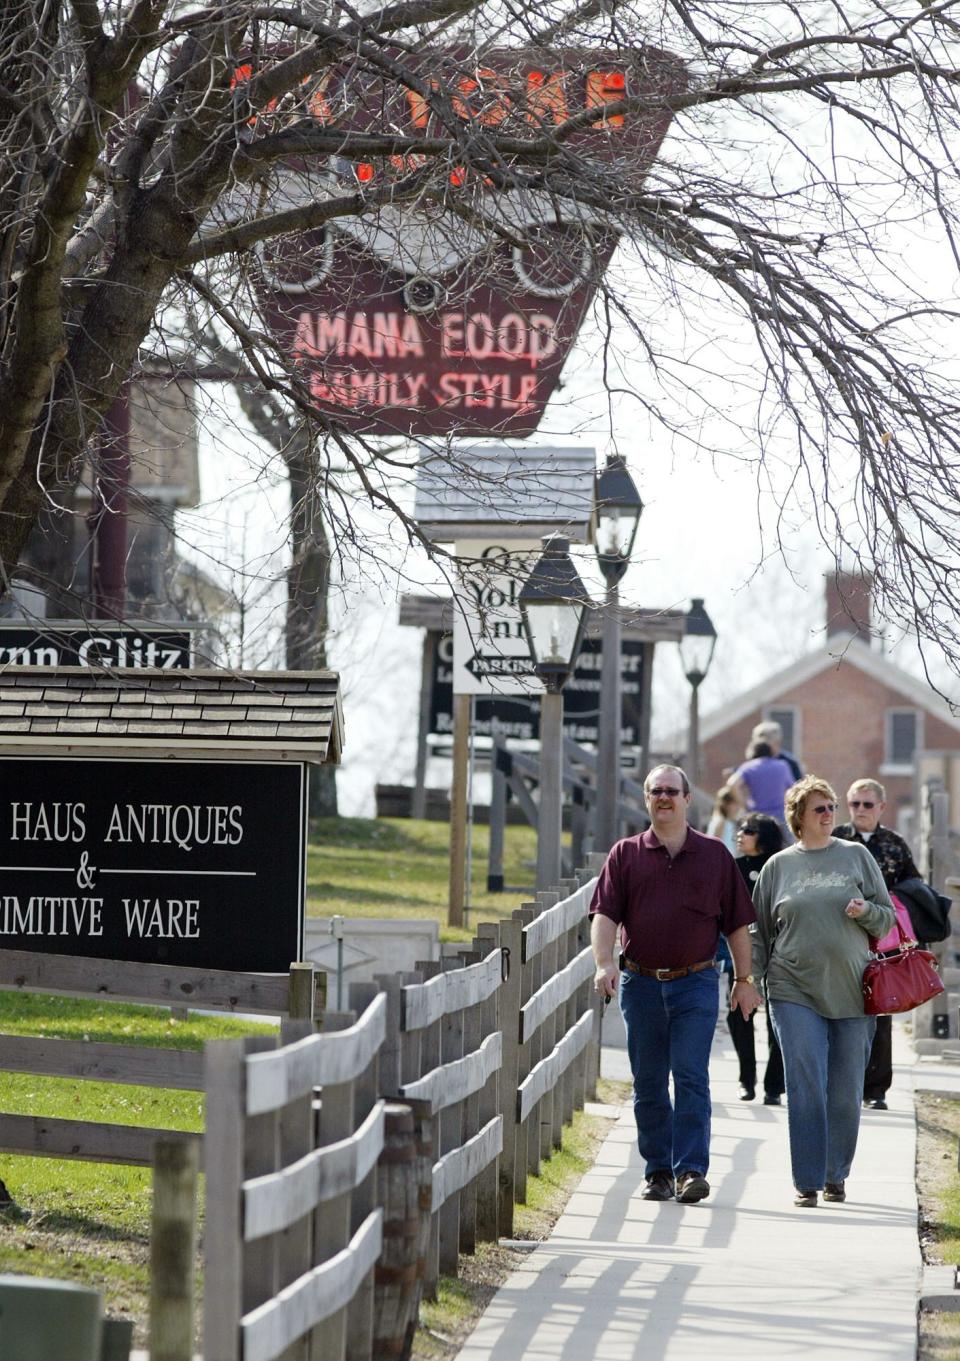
column 293, row 1233
column 290, row 995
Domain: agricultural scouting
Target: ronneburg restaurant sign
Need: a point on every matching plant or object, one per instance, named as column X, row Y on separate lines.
column 192, row 863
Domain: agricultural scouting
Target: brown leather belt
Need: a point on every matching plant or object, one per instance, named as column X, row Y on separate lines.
column 665, row 975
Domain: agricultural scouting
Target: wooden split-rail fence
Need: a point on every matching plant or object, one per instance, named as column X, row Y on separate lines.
column 346, row 1170
column 301, row 993
column 356, row 1165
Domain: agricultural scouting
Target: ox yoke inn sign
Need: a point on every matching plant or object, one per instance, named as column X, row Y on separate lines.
column 160, row 816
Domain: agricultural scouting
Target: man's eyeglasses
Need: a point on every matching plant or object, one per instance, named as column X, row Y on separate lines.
column 822, row 808
column 660, row 790
column 861, row 803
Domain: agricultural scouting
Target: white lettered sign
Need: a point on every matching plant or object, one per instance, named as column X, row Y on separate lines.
column 490, row 651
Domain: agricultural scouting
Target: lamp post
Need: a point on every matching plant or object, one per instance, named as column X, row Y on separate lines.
column 618, row 511
column 553, row 603
column 696, row 653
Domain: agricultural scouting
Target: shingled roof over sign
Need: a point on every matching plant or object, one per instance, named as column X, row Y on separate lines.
column 476, row 490
column 256, row 715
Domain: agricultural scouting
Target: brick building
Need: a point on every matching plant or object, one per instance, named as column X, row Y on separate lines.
column 845, row 709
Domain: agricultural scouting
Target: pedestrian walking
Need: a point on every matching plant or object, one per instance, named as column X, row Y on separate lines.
column 667, row 894
column 758, row 838
column 762, row 781
column 867, row 802
column 771, row 732
column 817, row 904
column 727, row 808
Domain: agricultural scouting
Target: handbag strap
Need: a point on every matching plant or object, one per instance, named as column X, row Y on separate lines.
column 906, row 943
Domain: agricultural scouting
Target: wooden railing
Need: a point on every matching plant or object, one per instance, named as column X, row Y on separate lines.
column 294, row 994
column 490, row 1051
column 293, row 1232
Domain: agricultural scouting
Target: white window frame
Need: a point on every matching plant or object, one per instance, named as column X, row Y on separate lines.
column 891, row 767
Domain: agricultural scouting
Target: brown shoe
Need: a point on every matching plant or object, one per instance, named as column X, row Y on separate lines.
column 805, row 1200
column 835, row 1191
column 659, row 1186
column 691, row 1187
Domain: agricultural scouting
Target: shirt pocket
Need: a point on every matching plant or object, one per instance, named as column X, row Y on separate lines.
column 699, row 897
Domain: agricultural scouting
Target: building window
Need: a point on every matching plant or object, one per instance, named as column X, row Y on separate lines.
column 903, row 736
column 789, row 719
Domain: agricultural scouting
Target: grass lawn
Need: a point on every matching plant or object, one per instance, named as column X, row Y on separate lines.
column 83, row 1221
column 90, row 1222
column 396, row 867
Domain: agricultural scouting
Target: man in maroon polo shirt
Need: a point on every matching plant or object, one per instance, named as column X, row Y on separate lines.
column 668, row 894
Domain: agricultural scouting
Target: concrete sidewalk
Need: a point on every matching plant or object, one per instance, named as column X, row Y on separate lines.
column 743, row 1273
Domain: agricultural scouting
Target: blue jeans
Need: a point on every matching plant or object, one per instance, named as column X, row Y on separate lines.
column 669, row 1030
column 824, row 1063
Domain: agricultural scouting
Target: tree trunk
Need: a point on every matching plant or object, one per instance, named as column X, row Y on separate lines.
column 308, row 591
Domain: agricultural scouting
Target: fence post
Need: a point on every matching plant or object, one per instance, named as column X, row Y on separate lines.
column 489, row 1103
column 302, row 1005
column 498, row 817
column 228, row 1267
column 507, row 935
column 404, row 1174
column 470, row 1116
column 430, row 1059
column 173, row 1247
column 528, row 1056
column 451, row 1119
column 550, row 1108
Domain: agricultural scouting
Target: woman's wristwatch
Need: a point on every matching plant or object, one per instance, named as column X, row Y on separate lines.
column 744, row 978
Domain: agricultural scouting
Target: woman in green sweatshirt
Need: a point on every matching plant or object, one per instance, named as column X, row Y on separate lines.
column 817, row 903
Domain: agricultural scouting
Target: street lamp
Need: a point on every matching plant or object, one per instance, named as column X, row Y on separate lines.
column 696, row 653
column 618, row 510
column 553, row 602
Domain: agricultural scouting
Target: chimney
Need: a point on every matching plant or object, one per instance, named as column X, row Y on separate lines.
column 848, row 602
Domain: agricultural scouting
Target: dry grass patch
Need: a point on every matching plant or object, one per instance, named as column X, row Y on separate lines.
column 938, row 1191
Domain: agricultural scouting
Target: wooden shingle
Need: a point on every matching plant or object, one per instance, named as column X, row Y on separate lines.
column 258, row 715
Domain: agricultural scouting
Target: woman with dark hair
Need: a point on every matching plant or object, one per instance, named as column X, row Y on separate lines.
column 758, row 838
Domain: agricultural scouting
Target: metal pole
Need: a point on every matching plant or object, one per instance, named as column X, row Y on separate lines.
column 468, row 877
column 431, row 640
column 607, row 827
column 693, row 741
column 646, row 708
column 336, row 930
column 458, row 809
column 551, row 791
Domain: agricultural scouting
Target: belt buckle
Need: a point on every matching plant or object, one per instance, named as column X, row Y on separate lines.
column 662, row 971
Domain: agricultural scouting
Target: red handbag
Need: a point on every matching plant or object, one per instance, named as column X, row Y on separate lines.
column 900, row 981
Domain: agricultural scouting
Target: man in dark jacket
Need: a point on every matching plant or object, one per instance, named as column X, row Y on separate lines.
column 866, row 800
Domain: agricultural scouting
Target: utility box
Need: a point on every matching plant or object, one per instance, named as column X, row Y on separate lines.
column 42, row 1319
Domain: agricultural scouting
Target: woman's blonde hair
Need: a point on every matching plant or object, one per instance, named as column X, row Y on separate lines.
column 721, row 803
column 795, row 800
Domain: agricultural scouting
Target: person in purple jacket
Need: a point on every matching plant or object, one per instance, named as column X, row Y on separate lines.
column 762, row 781
column 667, row 894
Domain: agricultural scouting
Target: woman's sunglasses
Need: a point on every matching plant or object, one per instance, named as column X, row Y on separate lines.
column 822, row 808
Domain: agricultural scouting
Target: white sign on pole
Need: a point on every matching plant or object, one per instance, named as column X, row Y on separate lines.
column 490, row 651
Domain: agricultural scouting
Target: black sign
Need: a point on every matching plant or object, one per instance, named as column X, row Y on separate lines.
column 195, row 863
column 91, row 645
column 519, row 717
